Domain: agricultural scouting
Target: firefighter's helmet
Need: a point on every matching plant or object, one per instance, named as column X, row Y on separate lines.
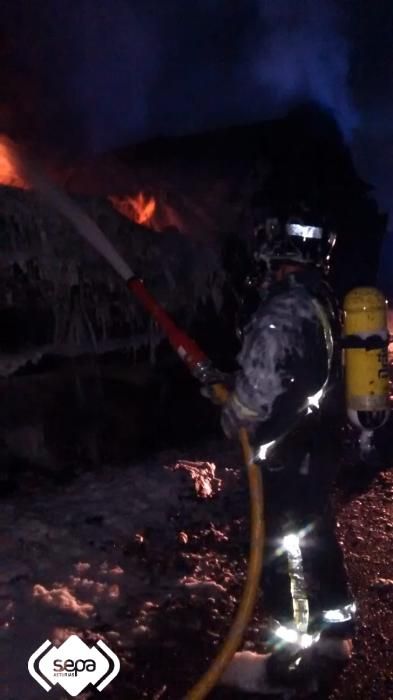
column 301, row 237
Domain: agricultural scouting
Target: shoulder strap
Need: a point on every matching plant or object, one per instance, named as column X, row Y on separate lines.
column 327, row 332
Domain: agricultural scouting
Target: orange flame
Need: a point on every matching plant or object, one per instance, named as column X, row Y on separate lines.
column 8, row 173
column 140, row 209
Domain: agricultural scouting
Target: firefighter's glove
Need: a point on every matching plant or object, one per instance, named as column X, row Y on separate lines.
column 236, row 415
column 207, row 390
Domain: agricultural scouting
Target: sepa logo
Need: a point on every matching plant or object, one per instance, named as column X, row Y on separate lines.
column 73, row 665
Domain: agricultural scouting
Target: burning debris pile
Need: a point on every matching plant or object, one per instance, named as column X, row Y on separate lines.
column 60, row 297
column 173, row 210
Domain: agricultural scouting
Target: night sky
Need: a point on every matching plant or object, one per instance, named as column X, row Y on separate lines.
column 93, row 75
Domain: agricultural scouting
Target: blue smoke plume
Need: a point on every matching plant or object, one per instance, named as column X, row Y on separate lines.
column 118, row 72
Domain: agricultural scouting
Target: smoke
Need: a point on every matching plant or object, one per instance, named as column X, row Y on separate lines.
column 113, row 73
column 302, row 52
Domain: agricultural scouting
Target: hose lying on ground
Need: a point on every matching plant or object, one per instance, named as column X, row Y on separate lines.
column 250, row 591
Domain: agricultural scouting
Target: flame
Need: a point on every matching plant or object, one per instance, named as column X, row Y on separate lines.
column 140, row 209
column 144, row 208
column 8, row 173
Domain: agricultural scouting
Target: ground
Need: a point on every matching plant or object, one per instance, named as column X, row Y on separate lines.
column 151, row 557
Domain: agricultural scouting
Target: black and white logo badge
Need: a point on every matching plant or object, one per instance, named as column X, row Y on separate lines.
column 73, row 665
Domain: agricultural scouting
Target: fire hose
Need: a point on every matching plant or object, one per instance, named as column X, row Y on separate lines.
column 200, row 366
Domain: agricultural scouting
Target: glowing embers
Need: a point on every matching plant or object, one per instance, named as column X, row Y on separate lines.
column 8, row 173
column 140, row 209
column 343, row 614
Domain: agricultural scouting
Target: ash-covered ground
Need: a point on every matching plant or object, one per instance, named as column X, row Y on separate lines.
column 151, row 558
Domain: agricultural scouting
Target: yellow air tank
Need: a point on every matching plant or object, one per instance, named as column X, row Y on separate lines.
column 365, row 358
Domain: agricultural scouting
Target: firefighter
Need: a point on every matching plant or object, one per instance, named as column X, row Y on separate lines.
column 285, row 395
